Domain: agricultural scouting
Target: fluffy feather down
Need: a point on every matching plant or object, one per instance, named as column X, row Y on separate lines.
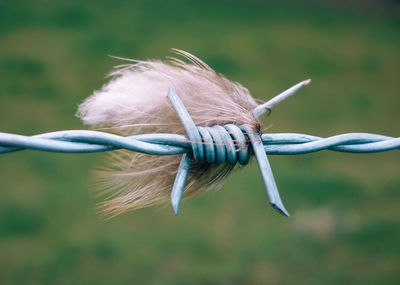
column 135, row 101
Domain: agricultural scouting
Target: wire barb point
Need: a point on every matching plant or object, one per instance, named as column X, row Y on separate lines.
column 265, row 170
column 179, row 184
column 267, row 106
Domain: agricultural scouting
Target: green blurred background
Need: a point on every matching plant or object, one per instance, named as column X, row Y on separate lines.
column 345, row 224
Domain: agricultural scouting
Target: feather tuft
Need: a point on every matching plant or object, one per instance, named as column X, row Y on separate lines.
column 134, row 101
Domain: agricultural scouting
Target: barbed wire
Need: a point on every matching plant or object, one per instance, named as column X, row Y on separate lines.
column 85, row 141
column 215, row 144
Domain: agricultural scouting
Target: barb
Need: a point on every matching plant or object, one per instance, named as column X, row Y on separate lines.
column 267, row 106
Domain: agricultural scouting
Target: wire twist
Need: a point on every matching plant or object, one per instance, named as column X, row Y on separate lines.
column 221, row 153
column 220, row 144
column 84, row 141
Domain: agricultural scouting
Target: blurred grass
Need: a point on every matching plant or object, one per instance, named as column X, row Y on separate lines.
column 345, row 225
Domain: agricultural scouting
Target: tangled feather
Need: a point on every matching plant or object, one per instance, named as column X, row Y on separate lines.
column 134, row 101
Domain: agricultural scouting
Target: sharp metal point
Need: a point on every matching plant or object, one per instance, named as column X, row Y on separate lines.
column 179, row 184
column 261, row 109
column 266, row 171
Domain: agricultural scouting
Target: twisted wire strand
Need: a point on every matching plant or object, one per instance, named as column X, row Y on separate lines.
column 84, row 141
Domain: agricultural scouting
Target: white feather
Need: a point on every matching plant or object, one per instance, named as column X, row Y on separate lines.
column 135, row 101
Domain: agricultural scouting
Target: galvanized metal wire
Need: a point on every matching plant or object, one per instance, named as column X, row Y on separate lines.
column 84, row 141
column 216, row 144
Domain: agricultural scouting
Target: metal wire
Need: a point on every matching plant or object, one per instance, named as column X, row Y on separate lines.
column 84, row 141
column 216, row 144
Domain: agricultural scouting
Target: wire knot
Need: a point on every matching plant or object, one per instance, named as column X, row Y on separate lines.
column 219, row 144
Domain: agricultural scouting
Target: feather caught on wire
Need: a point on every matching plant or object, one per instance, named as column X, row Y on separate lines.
column 134, row 102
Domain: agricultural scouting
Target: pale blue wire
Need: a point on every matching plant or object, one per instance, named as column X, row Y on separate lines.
column 84, row 141
column 216, row 144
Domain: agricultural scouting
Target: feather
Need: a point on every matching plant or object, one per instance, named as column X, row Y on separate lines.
column 134, row 102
